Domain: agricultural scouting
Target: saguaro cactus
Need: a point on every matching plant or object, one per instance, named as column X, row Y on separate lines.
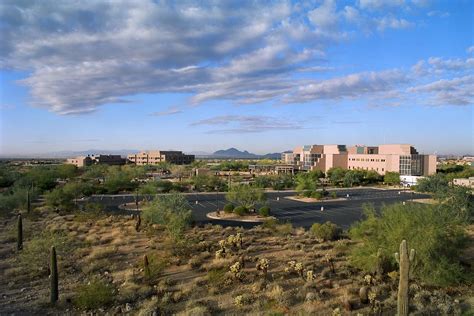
column 54, row 276
column 138, row 223
column 404, row 259
column 28, row 201
column 19, row 241
column 146, row 267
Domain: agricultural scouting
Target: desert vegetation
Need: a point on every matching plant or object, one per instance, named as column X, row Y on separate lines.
column 60, row 258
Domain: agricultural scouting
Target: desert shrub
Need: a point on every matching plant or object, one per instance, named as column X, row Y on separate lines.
column 35, row 254
column 91, row 211
column 270, row 223
column 216, row 277
column 156, row 265
column 326, row 231
column 245, row 195
column 436, row 232
column 264, row 211
column 282, row 229
column 240, row 210
column 317, row 195
column 93, row 295
column 172, row 211
column 228, row 208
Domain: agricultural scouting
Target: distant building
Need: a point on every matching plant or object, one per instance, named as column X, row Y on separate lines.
column 402, row 158
column 469, row 183
column 83, row 161
column 272, row 169
column 157, row 156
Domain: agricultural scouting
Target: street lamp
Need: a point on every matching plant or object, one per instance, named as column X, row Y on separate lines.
column 217, row 199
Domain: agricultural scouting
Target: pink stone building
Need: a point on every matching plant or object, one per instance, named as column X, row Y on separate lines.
column 402, row 158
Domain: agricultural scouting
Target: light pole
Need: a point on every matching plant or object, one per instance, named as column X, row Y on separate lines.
column 217, row 199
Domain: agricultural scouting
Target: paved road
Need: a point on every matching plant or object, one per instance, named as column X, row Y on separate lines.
column 300, row 214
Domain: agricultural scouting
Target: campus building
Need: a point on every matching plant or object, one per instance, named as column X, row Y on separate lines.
column 83, row 161
column 402, row 158
column 156, row 156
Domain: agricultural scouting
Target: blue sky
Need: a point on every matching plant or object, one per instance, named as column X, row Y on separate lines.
column 264, row 76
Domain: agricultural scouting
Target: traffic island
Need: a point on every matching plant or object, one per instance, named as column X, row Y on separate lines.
column 314, row 200
column 249, row 218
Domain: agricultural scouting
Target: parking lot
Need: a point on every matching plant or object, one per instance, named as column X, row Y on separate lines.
column 300, row 214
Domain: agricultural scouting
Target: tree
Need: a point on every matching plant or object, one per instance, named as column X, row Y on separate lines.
column 172, row 211
column 437, row 232
column 372, row 176
column 58, row 198
column 336, row 175
column 391, row 177
column 246, row 196
column 352, row 177
column 437, row 184
column 66, row 171
column 209, row 183
column 307, row 183
column 178, row 171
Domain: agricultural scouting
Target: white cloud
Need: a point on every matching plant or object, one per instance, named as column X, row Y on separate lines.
column 79, row 56
column 379, row 4
column 247, row 124
column 455, row 91
column 350, row 86
column 470, row 49
column 438, row 66
column 170, row 111
column 325, row 16
column 436, row 13
column 392, row 23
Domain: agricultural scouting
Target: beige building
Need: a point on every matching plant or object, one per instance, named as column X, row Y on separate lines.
column 156, row 156
column 465, row 182
column 83, row 161
column 402, row 158
column 80, row 161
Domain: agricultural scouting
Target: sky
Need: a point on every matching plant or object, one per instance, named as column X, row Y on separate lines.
column 262, row 76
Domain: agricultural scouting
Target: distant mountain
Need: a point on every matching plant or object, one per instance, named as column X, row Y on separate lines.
column 235, row 153
column 272, row 156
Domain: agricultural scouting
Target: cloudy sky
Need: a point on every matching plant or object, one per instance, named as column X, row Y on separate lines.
column 263, row 76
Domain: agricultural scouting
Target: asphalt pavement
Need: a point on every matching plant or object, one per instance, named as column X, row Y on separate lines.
column 300, row 214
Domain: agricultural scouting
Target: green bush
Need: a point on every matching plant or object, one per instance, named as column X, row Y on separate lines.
column 333, row 194
column 282, row 229
column 172, row 211
column 93, row 295
column 156, row 265
column 306, row 193
column 228, row 208
column 317, row 195
column 240, row 210
column 326, row 231
column 35, row 254
column 264, row 211
column 436, row 232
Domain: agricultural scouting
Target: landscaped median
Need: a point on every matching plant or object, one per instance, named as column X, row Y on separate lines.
column 251, row 218
column 313, row 200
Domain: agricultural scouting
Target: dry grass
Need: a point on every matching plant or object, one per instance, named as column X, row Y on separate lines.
column 192, row 281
